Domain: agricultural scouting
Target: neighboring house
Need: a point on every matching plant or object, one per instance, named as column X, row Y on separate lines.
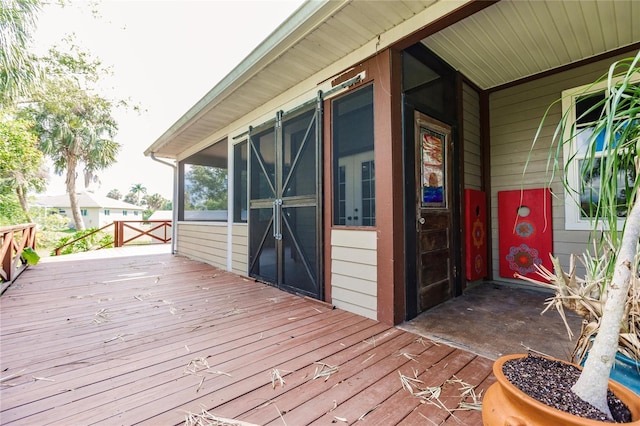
column 97, row 211
column 370, row 147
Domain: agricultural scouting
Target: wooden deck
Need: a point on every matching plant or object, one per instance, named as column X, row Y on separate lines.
column 149, row 339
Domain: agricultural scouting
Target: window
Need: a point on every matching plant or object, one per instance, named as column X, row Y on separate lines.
column 583, row 105
column 135, row 213
column 204, row 186
column 124, row 212
column 240, row 182
column 84, row 212
column 354, row 202
column 107, row 212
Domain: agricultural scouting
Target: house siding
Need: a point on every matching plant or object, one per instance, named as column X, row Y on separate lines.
column 471, row 138
column 206, row 242
column 515, row 115
column 354, row 271
column 240, row 249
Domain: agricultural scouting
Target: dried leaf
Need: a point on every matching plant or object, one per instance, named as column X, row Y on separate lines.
column 276, row 378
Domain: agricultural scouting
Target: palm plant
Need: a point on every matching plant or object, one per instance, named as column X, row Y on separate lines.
column 75, row 125
column 138, row 190
column 18, row 69
column 75, row 128
column 608, row 295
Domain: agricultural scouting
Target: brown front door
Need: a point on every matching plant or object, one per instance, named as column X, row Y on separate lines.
column 435, row 259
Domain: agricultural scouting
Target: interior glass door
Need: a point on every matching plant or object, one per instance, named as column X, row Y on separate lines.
column 356, row 195
column 284, row 218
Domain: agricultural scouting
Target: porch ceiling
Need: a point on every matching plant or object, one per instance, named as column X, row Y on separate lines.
column 502, row 43
column 515, row 39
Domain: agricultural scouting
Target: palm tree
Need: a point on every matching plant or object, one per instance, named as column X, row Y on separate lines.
column 18, row 70
column 619, row 124
column 138, row 190
column 75, row 126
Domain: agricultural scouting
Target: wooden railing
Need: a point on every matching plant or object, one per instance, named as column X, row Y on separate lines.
column 124, row 233
column 160, row 232
column 58, row 249
column 13, row 240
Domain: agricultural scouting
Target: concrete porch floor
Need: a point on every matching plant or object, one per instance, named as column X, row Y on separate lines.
column 494, row 319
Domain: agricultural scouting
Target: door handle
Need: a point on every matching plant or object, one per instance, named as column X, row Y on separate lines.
column 421, row 221
column 274, row 216
column 277, row 218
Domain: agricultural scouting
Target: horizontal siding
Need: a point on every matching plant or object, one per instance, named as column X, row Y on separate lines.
column 240, row 249
column 515, row 117
column 471, row 130
column 354, row 271
column 204, row 242
column 351, row 268
column 363, row 256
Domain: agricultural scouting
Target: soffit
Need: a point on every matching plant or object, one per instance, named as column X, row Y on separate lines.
column 333, row 31
column 502, row 43
column 515, row 39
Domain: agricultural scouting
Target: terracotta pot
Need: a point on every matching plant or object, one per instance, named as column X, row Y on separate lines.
column 506, row 405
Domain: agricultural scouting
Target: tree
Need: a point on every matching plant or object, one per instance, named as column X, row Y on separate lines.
column 618, row 127
column 206, row 188
column 621, row 128
column 138, row 190
column 130, row 198
column 18, row 69
column 10, row 211
column 115, row 194
column 21, row 163
column 75, row 125
column 155, row 202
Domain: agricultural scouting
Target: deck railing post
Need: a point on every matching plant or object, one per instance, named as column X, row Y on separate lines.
column 116, row 233
column 7, row 251
column 121, row 233
column 11, row 250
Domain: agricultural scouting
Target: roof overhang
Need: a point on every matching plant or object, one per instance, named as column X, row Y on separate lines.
column 491, row 44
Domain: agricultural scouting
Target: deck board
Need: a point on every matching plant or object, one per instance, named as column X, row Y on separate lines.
column 110, row 340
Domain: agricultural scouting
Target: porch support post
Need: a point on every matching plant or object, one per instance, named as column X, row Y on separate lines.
column 389, row 187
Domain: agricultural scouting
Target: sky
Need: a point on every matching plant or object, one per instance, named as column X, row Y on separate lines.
column 165, row 55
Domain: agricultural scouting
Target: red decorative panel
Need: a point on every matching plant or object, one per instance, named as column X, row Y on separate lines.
column 525, row 231
column 475, row 219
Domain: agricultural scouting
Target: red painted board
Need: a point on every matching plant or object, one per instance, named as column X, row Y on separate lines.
column 475, row 217
column 525, row 233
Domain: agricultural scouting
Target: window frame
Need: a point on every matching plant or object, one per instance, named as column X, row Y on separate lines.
column 573, row 220
column 237, row 182
column 335, row 164
column 213, row 156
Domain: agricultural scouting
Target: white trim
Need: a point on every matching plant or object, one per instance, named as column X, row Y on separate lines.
column 230, row 203
column 573, row 220
column 203, row 222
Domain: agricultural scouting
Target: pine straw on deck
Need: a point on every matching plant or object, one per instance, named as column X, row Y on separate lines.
column 156, row 339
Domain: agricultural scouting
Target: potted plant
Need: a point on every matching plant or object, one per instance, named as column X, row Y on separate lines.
column 611, row 155
column 585, row 296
